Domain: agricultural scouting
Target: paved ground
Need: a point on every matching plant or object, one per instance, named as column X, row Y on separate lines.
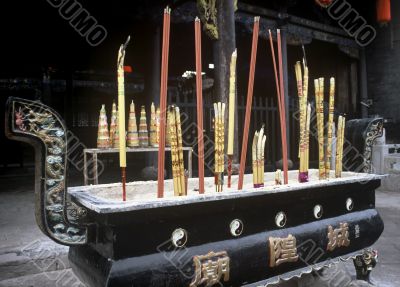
column 28, row 258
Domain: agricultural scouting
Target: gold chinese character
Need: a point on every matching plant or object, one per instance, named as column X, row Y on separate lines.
column 210, row 268
column 282, row 250
column 338, row 237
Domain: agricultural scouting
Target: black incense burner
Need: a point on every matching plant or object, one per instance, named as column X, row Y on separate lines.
column 233, row 238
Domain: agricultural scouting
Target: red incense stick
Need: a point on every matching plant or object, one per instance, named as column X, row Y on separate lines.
column 199, row 88
column 283, row 111
column 163, row 103
column 249, row 101
column 281, row 100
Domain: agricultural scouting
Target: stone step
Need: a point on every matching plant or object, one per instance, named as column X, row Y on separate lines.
column 59, row 278
column 34, row 258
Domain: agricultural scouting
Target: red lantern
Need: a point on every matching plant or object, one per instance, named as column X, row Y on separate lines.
column 324, row 3
column 383, row 14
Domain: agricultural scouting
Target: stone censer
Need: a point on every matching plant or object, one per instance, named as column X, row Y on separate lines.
column 252, row 237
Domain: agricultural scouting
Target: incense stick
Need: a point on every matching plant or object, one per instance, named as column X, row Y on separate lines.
column 163, row 102
column 180, row 152
column 199, row 91
column 307, row 153
column 302, row 89
column 319, row 93
column 282, row 110
column 231, row 116
column 281, row 99
column 174, row 150
column 254, row 155
column 258, row 148
column 249, row 101
column 260, row 176
column 121, row 115
column 219, row 128
column 330, row 127
column 339, row 146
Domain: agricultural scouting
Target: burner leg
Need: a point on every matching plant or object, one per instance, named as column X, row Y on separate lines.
column 364, row 264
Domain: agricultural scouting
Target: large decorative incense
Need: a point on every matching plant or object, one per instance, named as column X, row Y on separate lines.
column 231, row 116
column 163, row 101
column 302, row 90
column 219, row 128
column 103, row 136
column 319, row 106
column 199, row 92
column 249, row 101
column 113, row 124
column 143, row 131
column 178, row 173
column 281, row 100
column 258, row 158
column 121, row 115
column 133, row 139
column 153, row 126
column 330, row 127
column 339, row 146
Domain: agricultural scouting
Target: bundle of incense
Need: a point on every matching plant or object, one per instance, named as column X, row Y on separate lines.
column 103, row 136
column 178, row 172
column 319, row 107
column 143, row 132
column 153, row 126
column 250, row 87
column 199, row 93
column 258, row 158
column 280, row 92
column 158, row 125
column 339, row 146
column 113, row 124
column 121, row 115
column 278, row 177
column 116, row 132
column 133, row 139
column 163, row 102
column 302, row 90
column 330, row 127
column 231, row 116
column 219, row 124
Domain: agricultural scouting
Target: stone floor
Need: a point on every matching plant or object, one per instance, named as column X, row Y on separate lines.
column 28, row 258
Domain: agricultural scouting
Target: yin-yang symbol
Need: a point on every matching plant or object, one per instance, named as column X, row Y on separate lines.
column 236, row 227
column 280, row 219
column 179, row 237
column 349, row 204
column 318, row 211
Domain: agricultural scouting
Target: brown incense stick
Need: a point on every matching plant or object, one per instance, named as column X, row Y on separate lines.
column 249, row 101
column 163, row 102
column 278, row 93
column 282, row 111
column 199, row 91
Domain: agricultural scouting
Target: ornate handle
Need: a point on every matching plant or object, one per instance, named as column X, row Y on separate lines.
column 36, row 124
